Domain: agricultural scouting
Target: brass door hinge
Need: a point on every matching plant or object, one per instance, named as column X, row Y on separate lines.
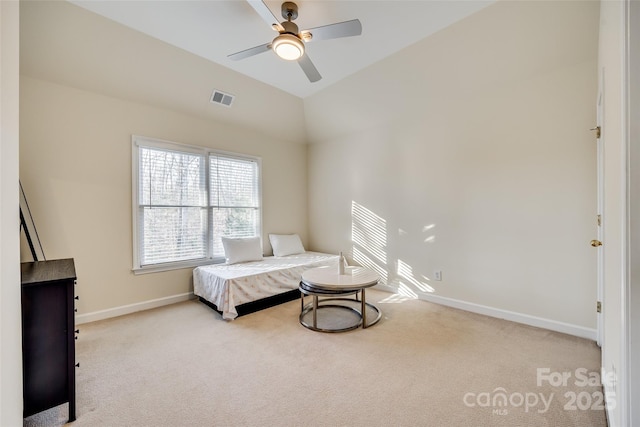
column 597, row 129
column 599, row 220
column 599, row 307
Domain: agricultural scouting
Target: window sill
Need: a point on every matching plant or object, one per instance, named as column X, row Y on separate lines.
column 157, row 268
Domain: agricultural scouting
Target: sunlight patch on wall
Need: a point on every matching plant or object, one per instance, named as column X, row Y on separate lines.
column 405, row 271
column 406, row 291
column 361, row 258
column 369, row 238
column 369, row 231
column 432, row 238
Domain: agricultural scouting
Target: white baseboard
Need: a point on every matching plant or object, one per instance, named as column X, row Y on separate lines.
column 539, row 322
column 131, row 308
column 526, row 319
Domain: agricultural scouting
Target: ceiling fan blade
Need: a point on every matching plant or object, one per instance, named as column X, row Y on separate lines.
column 266, row 14
column 333, row 31
column 309, row 69
column 250, row 52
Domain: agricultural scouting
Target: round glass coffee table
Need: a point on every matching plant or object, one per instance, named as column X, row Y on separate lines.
column 333, row 287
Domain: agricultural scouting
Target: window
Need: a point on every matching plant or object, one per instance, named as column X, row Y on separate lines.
column 185, row 199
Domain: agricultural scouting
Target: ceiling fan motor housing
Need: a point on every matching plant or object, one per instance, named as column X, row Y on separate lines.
column 290, row 27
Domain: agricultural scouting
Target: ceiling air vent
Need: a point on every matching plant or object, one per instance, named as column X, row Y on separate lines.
column 218, row 97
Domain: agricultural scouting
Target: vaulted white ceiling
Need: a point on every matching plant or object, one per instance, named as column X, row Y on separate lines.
column 213, row 29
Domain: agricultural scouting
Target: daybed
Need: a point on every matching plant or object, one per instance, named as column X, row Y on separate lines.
column 238, row 287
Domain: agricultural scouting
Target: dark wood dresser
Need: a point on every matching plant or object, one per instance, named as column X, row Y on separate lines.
column 48, row 335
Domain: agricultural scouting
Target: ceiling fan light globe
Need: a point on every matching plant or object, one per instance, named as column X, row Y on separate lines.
column 288, row 52
column 288, row 47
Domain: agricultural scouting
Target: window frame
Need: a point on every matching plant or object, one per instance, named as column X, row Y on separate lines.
column 146, row 142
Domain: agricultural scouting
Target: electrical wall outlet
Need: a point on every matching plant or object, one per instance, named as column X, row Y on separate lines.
column 437, row 275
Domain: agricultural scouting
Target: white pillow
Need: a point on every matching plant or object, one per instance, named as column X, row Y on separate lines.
column 242, row 249
column 286, row 244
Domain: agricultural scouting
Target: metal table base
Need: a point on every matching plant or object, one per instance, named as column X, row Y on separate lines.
column 317, row 304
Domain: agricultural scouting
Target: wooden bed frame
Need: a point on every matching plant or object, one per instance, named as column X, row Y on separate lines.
column 261, row 304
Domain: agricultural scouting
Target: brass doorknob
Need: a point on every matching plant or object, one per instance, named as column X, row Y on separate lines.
column 596, row 243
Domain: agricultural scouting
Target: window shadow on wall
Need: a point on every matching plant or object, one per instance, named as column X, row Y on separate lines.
column 369, row 237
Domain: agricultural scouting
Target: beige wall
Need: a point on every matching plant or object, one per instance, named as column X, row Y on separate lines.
column 75, row 166
column 63, row 43
column 87, row 85
column 470, row 153
column 471, row 149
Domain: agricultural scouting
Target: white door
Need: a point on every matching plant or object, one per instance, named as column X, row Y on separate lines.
column 597, row 243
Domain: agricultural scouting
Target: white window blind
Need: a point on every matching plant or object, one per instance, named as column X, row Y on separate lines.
column 173, row 206
column 187, row 198
column 234, row 199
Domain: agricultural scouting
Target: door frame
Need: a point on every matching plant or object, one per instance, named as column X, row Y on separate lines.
column 600, row 208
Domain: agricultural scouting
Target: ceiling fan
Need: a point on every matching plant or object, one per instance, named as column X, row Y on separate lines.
column 289, row 43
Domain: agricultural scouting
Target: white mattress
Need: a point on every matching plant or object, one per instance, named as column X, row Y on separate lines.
column 228, row 286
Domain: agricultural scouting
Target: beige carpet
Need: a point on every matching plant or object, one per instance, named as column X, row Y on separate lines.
column 421, row 365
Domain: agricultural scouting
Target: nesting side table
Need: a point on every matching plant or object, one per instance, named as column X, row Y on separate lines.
column 333, row 287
